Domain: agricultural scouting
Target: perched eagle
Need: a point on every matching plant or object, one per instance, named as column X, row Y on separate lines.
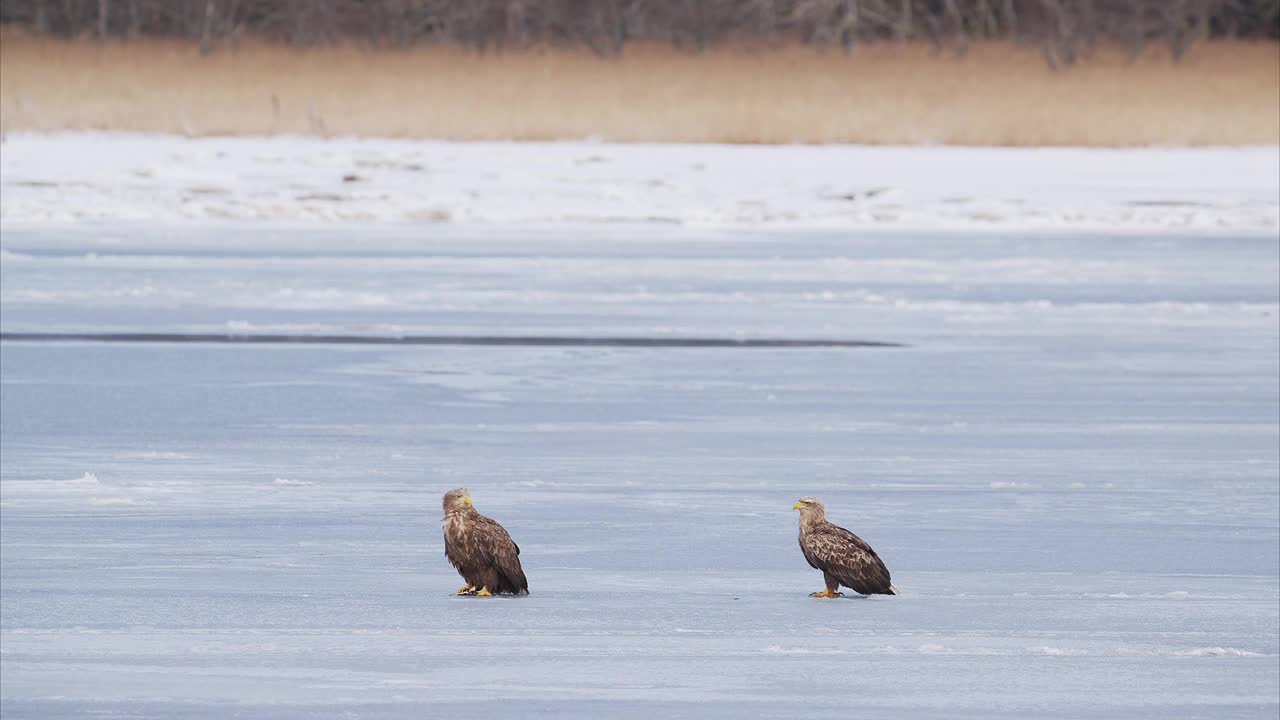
column 843, row 557
column 482, row 551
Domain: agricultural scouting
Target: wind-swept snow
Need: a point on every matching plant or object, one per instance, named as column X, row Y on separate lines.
column 68, row 178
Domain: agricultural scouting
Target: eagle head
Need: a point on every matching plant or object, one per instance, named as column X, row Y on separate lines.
column 807, row 502
column 457, row 499
column 811, row 511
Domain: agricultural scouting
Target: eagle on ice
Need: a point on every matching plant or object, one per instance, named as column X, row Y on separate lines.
column 481, row 550
column 844, row 558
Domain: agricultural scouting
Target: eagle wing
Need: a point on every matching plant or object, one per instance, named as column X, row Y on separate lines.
column 849, row 559
column 501, row 552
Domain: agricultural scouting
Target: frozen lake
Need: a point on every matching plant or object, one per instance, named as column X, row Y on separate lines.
column 1072, row 468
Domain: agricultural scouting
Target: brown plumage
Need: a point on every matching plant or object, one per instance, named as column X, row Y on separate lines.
column 843, row 557
column 481, row 550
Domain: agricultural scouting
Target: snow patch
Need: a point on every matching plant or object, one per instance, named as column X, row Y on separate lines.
column 152, row 455
column 1218, row 652
column 779, row 650
column 934, row 649
column 1056, row 651
column 117, row 502
column 86, row 483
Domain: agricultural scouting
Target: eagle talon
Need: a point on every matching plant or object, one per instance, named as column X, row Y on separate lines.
column 827, row 594
column 466, row 590
column 484, row 592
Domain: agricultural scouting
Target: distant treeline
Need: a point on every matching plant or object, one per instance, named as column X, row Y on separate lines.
column 1062, row 28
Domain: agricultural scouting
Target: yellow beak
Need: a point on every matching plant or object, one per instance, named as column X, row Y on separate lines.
column 467, row 499
column 797, row 506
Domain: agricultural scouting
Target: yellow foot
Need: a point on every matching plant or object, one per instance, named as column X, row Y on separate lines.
column 483, row 592
column 466, row 589
column 826, row 593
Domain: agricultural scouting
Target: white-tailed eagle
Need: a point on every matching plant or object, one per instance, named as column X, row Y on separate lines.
column 844, row 558
column 481, row 550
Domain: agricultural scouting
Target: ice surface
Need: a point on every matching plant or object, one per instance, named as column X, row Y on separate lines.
column 1072, row 470
column 78, row 177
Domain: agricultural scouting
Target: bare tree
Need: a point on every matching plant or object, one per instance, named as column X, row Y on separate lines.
column 1063, row 29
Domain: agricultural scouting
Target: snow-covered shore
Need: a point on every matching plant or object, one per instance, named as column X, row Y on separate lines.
column 97, row 177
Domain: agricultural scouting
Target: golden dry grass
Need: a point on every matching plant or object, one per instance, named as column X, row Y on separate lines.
column 994, row 94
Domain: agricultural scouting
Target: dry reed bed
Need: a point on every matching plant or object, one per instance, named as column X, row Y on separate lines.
column 992, row 94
